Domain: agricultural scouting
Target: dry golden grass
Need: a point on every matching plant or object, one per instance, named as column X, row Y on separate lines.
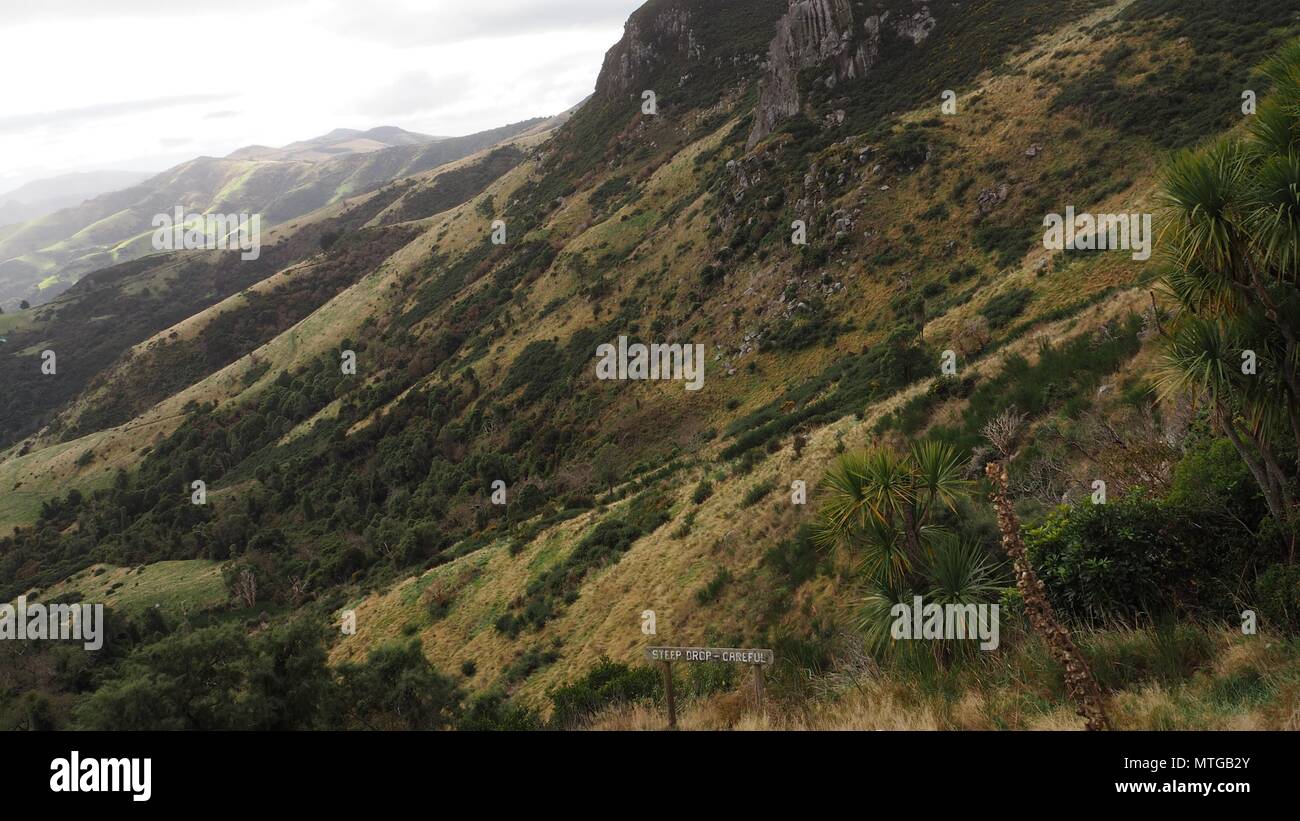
column 660, row 572
column 885, row 700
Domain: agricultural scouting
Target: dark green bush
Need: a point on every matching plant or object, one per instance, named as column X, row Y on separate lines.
column 1006, row 243
column 494, row 712
column 1102, row 560
column 710, row 592
column 607, row 684
column 1138, row 557
column 1006, row 306
column 611, row 190
column 794, row 560
column 1277, row 594
column 702, row 491
column 758, row 492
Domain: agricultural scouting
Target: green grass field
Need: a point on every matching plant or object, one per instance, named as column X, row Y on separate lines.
column 174, row 587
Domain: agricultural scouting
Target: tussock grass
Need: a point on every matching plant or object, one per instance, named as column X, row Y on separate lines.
column 1182, row 678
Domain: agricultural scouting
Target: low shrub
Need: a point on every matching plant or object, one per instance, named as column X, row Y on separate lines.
column 607, row 684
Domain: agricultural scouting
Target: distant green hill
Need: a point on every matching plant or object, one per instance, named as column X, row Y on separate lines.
column 41, row 258
column 40, row 197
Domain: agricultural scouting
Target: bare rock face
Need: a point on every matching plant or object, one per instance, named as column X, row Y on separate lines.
column 990, row 198
column 812, row 32
column 824, row 33
column 917, row 26
column 648, row 40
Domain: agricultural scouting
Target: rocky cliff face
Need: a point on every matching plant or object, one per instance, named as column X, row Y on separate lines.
column 825, row 33
column 655, row 36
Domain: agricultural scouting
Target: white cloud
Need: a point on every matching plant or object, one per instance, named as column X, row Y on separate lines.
column 415, row 24
column 134, row 77
column 44, row 122
column 415, row 92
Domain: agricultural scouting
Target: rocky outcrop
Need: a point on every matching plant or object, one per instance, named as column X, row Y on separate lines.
column 654, row 36
column 824, row 33
column 812, row 33
column 917, row 26
column 989, row 199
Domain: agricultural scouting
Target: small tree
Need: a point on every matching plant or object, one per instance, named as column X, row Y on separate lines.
column 883, row 508
column 1233, row 230
column 245, row 588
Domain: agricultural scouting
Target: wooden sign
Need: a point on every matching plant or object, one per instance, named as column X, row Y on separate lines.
column 717, row 655
column 665, row 656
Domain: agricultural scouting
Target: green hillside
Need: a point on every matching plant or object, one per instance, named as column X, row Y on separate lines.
column 42, row 258
column 921, row 333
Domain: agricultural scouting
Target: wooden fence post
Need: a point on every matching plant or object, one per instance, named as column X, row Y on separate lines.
column 668, row 695
column 665, row 656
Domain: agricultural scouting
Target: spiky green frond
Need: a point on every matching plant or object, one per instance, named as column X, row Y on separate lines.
column 1202, row 198
column 1274, row 219
column 1200, row 289
column 1275, row 129
column 883, row 553
column 1283, row 71
column 1200, row 356
column 939, row 473
column 875, row 618
column 962, row 572
column 847, row 506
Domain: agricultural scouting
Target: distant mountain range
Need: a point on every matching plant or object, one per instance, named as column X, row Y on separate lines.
column 42, row 257
column 338, row 143
column 40, row 197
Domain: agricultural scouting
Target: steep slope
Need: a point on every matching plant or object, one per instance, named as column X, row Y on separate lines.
column 674, row 224
column 303, row 265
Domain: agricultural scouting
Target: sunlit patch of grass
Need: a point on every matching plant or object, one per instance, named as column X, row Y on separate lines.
column 173, row 587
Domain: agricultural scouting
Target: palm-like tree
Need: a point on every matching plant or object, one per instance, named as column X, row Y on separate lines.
column 1232, row 236
column 883, row 504
column 881, row 507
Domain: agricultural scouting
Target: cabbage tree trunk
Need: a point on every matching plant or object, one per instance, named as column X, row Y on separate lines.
column 1079, row 683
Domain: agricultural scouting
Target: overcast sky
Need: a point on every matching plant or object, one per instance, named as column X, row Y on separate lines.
column 141, row 85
